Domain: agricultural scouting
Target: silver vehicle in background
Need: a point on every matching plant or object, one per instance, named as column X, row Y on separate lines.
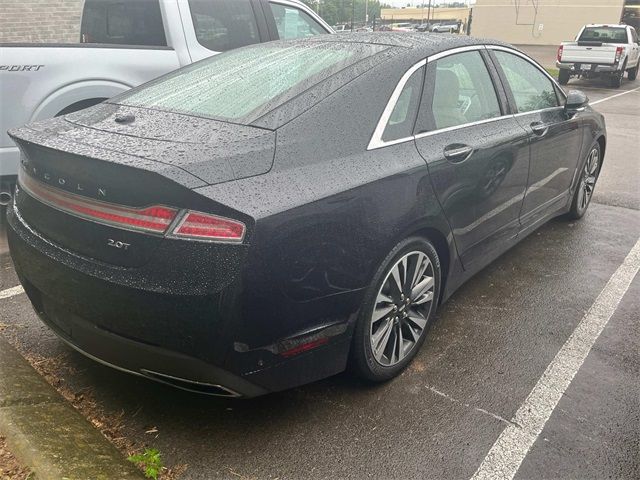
column 600, row 51
column 124, row 44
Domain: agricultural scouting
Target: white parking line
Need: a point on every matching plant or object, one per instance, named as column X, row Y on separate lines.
column 511, row 447
column 11, row 292
column 613, row 96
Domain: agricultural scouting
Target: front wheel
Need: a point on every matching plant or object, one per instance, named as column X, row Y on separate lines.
column 588, row 179
column 397, row 310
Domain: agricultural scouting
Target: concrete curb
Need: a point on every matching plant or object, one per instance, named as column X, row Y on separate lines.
column 46, row 433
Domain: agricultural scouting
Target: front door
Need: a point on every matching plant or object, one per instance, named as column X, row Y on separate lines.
column 555, row 139
column 477, row 154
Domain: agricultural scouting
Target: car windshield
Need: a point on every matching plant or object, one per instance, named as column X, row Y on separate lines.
column 604, row 35
column 245, row 84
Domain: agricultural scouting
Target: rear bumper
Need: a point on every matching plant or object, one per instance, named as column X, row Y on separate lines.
column 595, row 67
column 187, row 341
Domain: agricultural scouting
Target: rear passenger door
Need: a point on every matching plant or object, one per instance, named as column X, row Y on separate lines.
column 214, row 26
column 476, row 152
column 555, row 139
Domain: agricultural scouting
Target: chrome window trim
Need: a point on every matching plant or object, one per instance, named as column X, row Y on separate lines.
column 453, row 51
column 376, row 139
column 520, row 114
column 463, row 125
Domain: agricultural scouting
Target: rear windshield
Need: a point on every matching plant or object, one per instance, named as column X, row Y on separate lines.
column 244, row 84
column 604, row 35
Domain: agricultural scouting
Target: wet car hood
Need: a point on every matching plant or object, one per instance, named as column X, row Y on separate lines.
column 175, row 145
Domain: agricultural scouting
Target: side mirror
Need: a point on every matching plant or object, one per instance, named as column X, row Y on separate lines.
column 576, row 102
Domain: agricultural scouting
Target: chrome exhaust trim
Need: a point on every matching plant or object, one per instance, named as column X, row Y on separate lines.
column 190, row 385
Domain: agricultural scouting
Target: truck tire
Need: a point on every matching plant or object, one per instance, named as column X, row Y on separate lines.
column 632, row 73
column 563, row 77
column 81, row 105
column 615, row 80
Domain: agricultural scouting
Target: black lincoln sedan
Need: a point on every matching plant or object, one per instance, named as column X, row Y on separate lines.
column 269, row 216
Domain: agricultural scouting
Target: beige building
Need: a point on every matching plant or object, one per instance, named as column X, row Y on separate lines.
column 420, row 15
column 542, row 22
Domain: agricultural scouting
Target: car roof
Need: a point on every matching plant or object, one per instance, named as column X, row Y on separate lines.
column 418, row 43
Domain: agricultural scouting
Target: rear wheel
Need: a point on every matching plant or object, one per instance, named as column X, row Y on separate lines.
column 588, row 179
column 632, row 74
column 397, row 310
column 563, row 77
column 616, row 79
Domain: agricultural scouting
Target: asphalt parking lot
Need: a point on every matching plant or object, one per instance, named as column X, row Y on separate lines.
column 491, row 344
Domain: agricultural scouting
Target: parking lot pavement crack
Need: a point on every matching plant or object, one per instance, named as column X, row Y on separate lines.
column 477, row 409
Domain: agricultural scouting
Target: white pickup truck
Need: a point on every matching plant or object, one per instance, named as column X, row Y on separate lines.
column 600, row 50
column 124, row 43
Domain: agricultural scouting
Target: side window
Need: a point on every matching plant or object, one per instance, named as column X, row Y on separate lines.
column 222, row 25
column 463, row 91
column 123, row 22
column 294, row 23
column 532, row 89
column 634, row 35
column 400, row 123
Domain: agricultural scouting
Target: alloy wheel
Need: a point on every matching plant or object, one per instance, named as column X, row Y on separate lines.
column 402, row 308
column 589, row 177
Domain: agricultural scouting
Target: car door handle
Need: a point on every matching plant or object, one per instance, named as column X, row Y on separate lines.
column 457, row 153
column 539, row 128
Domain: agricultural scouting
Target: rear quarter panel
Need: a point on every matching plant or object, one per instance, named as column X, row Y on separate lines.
column 327, row 213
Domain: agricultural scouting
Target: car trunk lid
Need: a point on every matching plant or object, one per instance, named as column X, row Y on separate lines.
column 94, row 161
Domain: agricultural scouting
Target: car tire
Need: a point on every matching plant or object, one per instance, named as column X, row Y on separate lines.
column 632, row 74
column 563, row 77
column 393, row 322
column 586, row 184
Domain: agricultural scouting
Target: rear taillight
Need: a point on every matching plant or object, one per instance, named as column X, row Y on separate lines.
column 149, row 219
column 619, row 51
column 209, row 227
column 155, row 219
column 560, row 53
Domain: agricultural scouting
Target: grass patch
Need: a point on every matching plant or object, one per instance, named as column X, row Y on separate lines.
column 553, row 72
column 150, row 462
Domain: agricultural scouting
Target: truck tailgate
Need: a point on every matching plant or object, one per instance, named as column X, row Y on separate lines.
column 585, row 54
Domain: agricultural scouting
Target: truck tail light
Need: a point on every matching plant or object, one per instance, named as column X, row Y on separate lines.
column 619, row 51
column 560, row 53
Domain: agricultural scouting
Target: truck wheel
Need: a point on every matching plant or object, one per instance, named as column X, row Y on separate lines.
column 633, row 72
column 616, row 80
column 563, row 77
